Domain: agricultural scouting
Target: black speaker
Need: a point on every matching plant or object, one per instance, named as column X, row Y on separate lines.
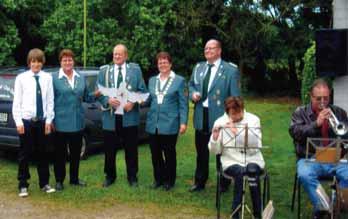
column 331, row 52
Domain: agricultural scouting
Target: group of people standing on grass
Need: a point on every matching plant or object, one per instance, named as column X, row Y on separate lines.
column 44, row 103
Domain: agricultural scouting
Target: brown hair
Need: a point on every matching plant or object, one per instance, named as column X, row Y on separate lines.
column 234, row 103
column 163, row 55
column 36, row 55
column 66, row 52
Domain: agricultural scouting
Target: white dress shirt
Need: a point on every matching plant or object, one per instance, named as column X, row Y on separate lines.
column 24, row 99
column 72, row 81
column 123, row 70
column 214, row 69
column 231, row 146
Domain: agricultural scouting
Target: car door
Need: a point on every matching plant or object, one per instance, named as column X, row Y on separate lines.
column 8, row 133
column 92, row 111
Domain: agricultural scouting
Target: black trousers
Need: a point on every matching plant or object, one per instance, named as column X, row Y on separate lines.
column 252, row 171
column 202, row 138
column 63, row 141
column 33, row 145
column 163, row 154
column 122, row 137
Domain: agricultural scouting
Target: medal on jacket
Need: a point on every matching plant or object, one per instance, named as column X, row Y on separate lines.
column 160, row 93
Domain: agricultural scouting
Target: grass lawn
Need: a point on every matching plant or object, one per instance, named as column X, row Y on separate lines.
column 279, row 155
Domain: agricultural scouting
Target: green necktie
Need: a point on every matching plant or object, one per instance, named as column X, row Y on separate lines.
column 206, row 82
column 119, row 76
column 39, row 109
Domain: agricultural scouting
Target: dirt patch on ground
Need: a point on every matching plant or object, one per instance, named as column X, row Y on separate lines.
column 17, row 208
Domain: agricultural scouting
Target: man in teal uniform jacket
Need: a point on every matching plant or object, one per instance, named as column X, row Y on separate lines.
column 212, row 81
column 120, row 130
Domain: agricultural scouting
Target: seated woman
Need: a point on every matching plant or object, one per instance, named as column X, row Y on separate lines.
column 229, row 139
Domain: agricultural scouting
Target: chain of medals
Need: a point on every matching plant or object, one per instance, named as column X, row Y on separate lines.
column 161, row 93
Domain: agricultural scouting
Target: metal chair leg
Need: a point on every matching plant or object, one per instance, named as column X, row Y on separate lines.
column 264, row 192
column 298, row 199
column 294, row 193
column 268, row 188
column 218, row 195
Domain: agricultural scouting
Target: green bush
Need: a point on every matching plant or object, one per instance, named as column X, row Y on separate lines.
column 309, row 73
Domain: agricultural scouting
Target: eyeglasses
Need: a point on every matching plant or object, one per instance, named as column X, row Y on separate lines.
column 210, row 48
column 320, row 98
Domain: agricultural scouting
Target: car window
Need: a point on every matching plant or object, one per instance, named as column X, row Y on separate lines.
column 90, row 80
column 7, row 87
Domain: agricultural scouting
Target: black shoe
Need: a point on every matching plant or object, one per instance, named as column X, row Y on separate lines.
column 108, row 182
column 196, row 188
column 320, row 214
column 168, row 187
column 59, row 186
column 79, row 183
column 156, row 185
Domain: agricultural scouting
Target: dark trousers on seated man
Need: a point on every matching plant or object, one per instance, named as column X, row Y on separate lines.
column 252, row 172
column 202, row 161
column 63, row 140
column 33, row 145
column 122, row 137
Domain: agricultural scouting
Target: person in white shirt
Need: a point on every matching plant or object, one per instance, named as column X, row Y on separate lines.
column 33, row 113
column 228, row 139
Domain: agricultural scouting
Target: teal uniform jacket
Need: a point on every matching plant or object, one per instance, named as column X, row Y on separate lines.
column 168, row 116
column 68, row 108
column 134, row 82
column 225, row 84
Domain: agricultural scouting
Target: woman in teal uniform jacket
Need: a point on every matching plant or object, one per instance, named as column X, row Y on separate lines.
column 166, row 118
column 70, row 90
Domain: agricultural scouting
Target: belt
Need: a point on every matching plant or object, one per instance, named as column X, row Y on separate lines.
column 35, row 119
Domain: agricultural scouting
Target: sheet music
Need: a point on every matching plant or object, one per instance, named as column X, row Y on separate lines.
column 136, row 97
column 238, row 140
column 106, row 91
column 120, row 94
column 123, row 95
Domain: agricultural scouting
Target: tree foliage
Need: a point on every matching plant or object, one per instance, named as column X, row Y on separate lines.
column 309, row 74
column 64, row 29
column 9, row 38
column 266, row 39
